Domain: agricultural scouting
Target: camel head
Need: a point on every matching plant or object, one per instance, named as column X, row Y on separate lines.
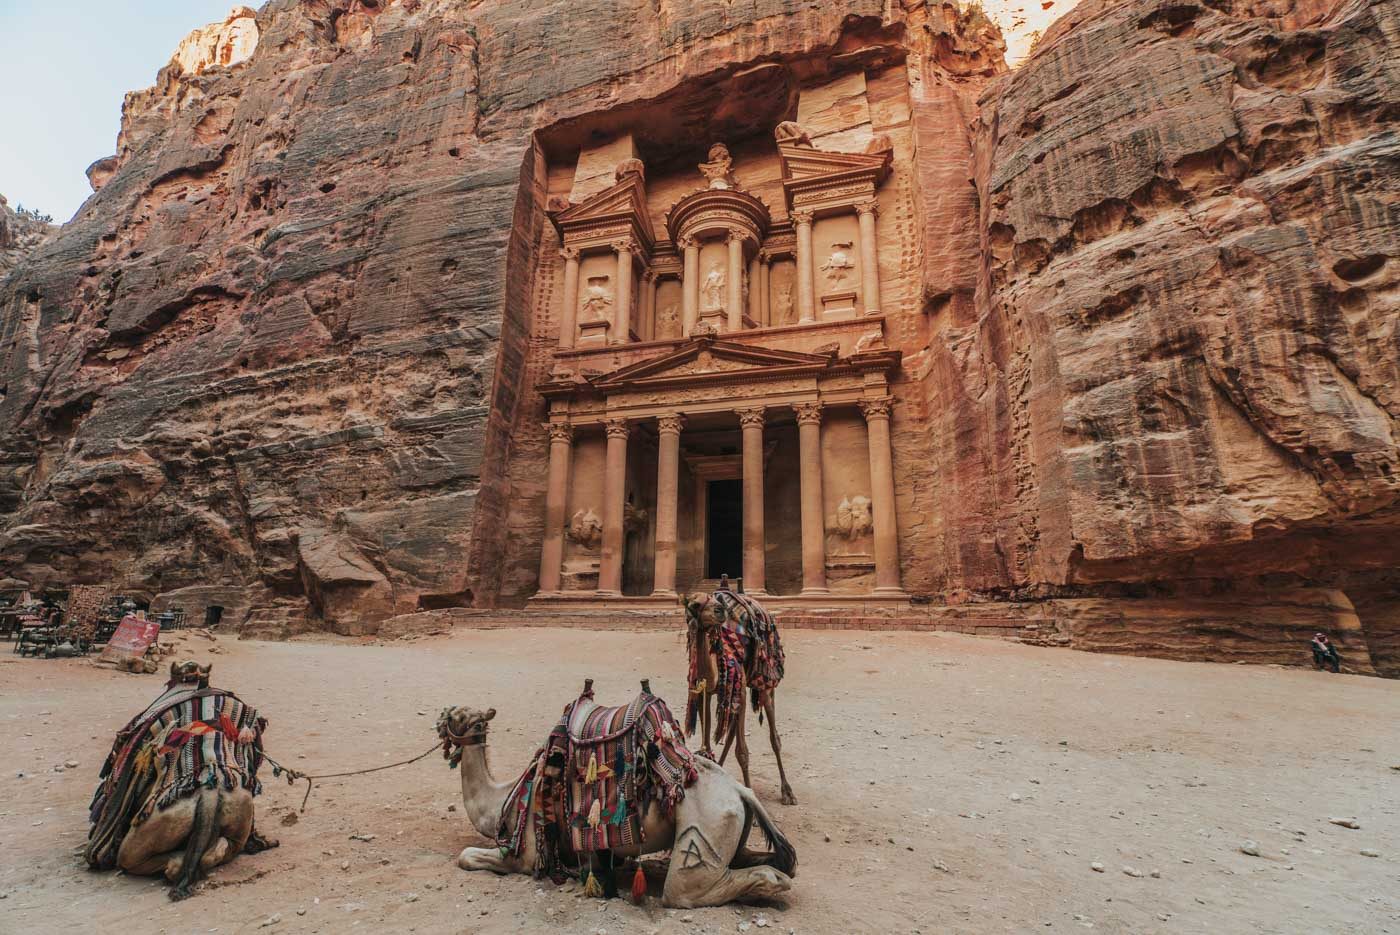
column 189, row 672
column 462, row 727
column 701, row 611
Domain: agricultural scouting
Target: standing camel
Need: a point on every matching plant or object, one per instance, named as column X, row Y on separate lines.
column 705, row 830
column 733, row 644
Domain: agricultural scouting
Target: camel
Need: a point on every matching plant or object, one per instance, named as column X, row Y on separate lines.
column 706, row 615
column 706, row 835
column 136, row 825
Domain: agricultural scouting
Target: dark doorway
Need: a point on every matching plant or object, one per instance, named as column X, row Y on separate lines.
column 724, row 521
column 212, row 616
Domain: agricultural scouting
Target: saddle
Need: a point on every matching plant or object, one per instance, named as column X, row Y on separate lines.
column 748, row 653
column 598, row 772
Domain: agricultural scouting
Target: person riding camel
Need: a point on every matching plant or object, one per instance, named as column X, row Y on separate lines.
column 1324, row 653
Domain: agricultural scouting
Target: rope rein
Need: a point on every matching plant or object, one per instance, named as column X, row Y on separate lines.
column 294, row 776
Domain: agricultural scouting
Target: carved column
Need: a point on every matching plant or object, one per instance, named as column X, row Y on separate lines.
column 869, row 258
column 668, row 459
column 736, row 281
column 806, row 275
column 648, row 312
column 561, row 441
column 568, row 318
column 751, row 421
column 755, row 303
column 622, row 303
column 877, row 425
column 809, row 438
column 690, row 286
column 765, row 299
column 614, row 497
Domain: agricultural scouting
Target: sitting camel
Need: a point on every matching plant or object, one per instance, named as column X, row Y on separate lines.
column 177, row 790
column 705, row 826
column 733, row 644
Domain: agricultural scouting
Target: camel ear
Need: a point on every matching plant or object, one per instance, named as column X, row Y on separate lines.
column 490, row 713
column 174, row 671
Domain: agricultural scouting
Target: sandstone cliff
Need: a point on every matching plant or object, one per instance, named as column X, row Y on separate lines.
column 19, row 235
column 281, row 357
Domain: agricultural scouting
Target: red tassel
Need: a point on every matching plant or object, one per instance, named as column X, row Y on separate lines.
column 639, row 886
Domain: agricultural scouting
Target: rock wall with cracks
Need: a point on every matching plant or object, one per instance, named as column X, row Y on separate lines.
column 286, row 349
column 1182, row 376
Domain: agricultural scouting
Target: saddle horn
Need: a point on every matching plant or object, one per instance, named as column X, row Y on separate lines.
column 646, row 686
column 587, row 686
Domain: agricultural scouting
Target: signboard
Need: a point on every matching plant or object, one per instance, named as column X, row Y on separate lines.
column 133, row 637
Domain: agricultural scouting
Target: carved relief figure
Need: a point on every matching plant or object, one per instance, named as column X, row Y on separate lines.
column 712, row 289
column 630, row 167
column 667, row 318
column 782, row 308
column 854, row 518
column 838, row 265
column 869, row 341
column 718, row 168
column 791, row 132
column 597, row 299
column 586, row 529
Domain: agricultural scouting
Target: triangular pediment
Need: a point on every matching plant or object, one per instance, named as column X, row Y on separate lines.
column 625, row 200
column 704, row 358
column 806, row 162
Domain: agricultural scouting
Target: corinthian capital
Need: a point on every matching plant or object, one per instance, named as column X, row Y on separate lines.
column 671, row 424
column 569, row 253
column 877, row 408
column 808, row 413
column 561, row 432
column 750, row 418
column 801, row 217
column 871, row 207
column 617, row 428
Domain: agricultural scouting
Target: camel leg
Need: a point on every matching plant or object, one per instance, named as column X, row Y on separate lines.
column 710, row 824
column 487, row 858
column 728, row 742
column 777, row 742
column 705, row 723
column 741, row 742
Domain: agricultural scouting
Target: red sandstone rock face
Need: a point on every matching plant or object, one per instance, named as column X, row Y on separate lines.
column 284, row 358
column 1184, row 368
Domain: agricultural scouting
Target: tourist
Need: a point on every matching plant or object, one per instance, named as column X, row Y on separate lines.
column 1324, row 653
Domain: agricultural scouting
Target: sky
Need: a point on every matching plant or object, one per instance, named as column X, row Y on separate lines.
column 65, row 66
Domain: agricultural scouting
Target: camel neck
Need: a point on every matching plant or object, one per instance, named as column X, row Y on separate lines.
column 481, row 796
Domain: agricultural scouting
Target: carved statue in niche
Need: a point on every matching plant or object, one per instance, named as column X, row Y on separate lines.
column 719, row 167
column 712, row 289
column 854, row 518
column 782, row 308
column 666, row 319
column 634, row 518
column 586, row 529
column 869, row 341
column 597, row 299
column 791, row 133
column 630, row 167
column 838, row 265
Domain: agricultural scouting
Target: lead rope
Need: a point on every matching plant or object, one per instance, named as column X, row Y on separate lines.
column 294, row 776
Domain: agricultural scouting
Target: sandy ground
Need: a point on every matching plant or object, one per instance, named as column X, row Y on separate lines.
column 946, row 784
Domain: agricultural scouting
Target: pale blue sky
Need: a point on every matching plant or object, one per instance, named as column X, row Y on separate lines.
column 64, row 67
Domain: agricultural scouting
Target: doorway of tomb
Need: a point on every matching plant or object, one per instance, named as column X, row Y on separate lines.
column 724, row 529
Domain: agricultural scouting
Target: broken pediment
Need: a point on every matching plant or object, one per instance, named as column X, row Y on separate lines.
column 619, row 208
column 803, row 162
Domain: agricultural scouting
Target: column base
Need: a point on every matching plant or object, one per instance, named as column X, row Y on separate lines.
column 813, row 592
column 665, row 593
column 758, row 592
column 890, row 592
column 601, row 593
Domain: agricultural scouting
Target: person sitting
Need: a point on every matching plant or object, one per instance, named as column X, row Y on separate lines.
column 1324, row 653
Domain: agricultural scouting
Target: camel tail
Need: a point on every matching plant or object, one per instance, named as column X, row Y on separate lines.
column 203, row 830
column 784, row 856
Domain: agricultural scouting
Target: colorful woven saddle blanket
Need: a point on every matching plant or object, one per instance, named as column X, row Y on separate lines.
column 748, row 653
column 598, row 772
column 187, row 739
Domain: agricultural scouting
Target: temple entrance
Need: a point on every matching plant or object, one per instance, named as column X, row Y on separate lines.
column 724, row 528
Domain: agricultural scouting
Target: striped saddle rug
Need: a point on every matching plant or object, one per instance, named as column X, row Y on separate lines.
column 749, row 654
column 598, row 772
column 187, row 739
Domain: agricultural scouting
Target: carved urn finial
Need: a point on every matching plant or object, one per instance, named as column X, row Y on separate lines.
column 791, row 133
column 719, row 167
column 629, row 167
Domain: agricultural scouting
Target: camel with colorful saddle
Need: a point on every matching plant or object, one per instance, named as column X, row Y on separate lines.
column 608, row 786
column 733, row 644
column 176, row 796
